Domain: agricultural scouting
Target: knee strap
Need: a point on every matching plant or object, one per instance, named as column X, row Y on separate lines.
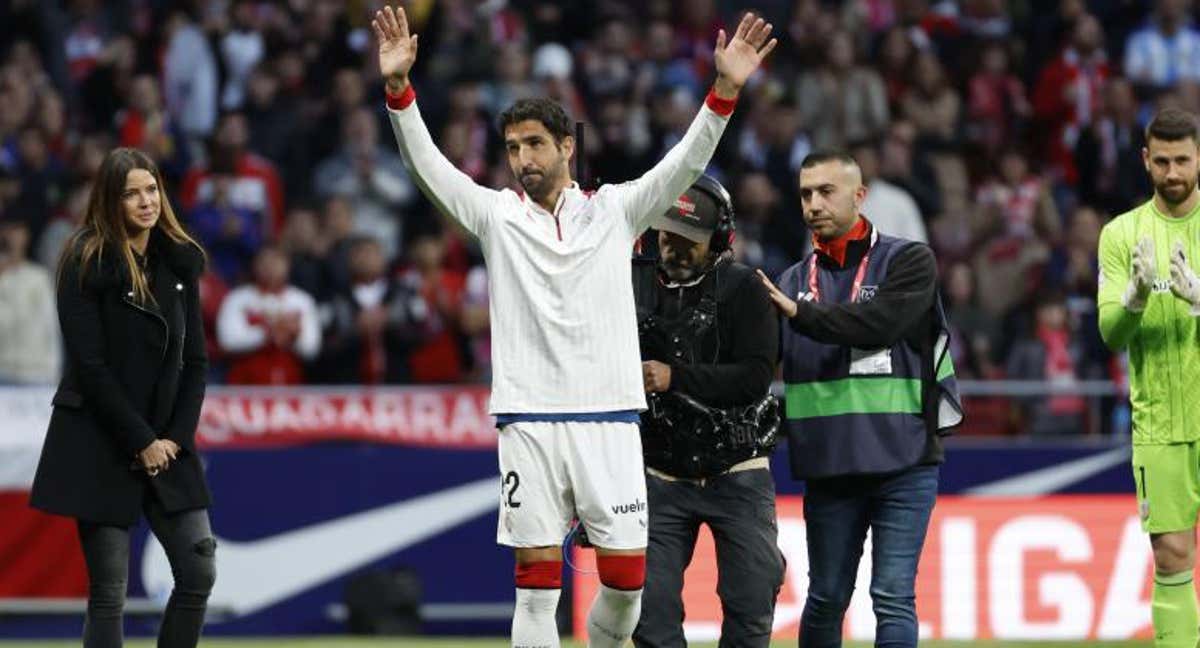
column 622, row 572
column 544, row 574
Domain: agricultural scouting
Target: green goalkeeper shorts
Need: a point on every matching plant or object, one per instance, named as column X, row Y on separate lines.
column 1167, row 477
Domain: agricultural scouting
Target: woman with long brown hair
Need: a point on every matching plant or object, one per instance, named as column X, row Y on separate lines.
column 121, row 439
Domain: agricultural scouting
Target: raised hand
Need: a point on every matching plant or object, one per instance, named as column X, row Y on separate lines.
column 1141, row 275
column 741, row 56
column 397, row 49
column 1184, row 283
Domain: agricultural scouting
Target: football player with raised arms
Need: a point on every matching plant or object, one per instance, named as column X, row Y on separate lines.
column 567, row 384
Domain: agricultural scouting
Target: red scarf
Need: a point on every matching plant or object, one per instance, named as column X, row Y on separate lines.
column 836, row 249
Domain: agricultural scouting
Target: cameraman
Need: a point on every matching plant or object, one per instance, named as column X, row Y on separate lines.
column 709, row 340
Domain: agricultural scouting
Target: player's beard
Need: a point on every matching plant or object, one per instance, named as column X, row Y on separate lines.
column 1174, row 194
column 540, row 183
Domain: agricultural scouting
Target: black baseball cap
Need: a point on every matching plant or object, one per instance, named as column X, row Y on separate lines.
column 694, row 216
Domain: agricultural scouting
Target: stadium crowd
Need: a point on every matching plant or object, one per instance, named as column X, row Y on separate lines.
column 1005, row 133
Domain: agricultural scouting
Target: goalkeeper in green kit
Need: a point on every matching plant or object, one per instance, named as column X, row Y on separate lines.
column 1149, row 300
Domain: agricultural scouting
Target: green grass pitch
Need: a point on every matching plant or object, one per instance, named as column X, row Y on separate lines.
column 340, row 642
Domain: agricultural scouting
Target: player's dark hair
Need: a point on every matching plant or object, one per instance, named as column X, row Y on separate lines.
column 831, row 155
column 547, row 111
column 1172, row 125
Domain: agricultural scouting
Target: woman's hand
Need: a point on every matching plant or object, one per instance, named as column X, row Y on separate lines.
column 158, row 455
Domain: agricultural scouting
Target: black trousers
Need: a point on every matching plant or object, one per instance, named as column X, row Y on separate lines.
column 739, row 509
column 191, row 549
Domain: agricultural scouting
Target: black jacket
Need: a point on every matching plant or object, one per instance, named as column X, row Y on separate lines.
column 902, row 309
column 732, row 366
column 133, row 373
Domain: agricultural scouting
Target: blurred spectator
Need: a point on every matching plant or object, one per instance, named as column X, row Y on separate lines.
column 348, row 95
column 1109, row 154
column 52, row 120
column 810, row 29
column 973, row 331
column 242, row 47
column 373, row 323
column 1048, row 30
column 437, row 356
column 890, row 208
column 212, row 296
column 42, row 180
column 1049, row 352
column 1017, row 224
column 189, row 77
column 60, row 228
column 997, row 105
column 231, row 234
column 89, row 32
column 930, row 103
column 306, row 250
column 624, row 141
column 458, row 146
column 1167, row 49
column 841, row 101
column 18, row 98
column 553, row 66
column 108, row 82
column 337, row 232
column 268, row 328
column 1075, row 269
column 31, row 352
column 255, row 185
column 609, row 69
column 1017, row 203
column 273, row 122
column 145, row 124
column 695, row 25
column 769, row 223
column 901, row 165
column 477, row 324
column 1068, row 94
column 89, row 155
column 511, row 80
column 372, row 178
column 895, row 62
column 985, row 18
column 661, row 68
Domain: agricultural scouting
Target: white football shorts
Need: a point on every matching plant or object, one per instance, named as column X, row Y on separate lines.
column 552, row 472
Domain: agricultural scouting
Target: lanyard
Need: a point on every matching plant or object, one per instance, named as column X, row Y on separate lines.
column 815, row 290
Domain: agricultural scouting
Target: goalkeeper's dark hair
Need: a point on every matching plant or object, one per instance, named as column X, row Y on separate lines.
column 547, row 111
column 1172, row 125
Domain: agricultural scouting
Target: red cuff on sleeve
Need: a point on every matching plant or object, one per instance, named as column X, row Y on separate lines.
column 404, row 99
column 723, row 107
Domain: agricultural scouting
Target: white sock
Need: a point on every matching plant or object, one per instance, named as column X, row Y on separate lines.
column 534, row 623
column 613, row 617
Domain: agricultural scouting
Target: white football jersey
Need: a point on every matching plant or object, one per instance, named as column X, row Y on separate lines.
column 564, row 329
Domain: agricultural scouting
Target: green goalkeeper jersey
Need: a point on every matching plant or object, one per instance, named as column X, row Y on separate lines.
column 1164, row 339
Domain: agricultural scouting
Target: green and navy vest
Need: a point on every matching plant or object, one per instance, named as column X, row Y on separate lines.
column 861, row 411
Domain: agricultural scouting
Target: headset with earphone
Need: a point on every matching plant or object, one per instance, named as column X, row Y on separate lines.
column 723, row 234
